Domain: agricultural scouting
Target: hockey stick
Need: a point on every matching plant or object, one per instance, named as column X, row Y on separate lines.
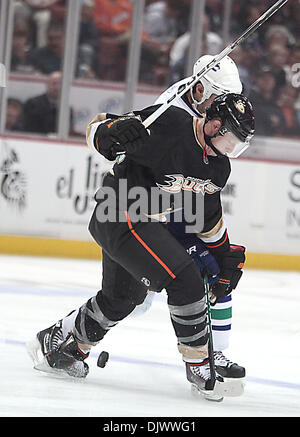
column 210, row 342
column 233, row 386
column 194, row 79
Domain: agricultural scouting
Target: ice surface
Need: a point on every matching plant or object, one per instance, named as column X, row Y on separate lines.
column 145, row 376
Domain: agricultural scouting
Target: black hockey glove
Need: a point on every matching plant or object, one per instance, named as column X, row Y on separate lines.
column 231, row 271
column 125, row 134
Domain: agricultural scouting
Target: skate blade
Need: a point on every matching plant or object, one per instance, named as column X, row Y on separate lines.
column 43, row 366
column 234, row 387
column 209, row 395
column 229, row 388
column 34, row 350
column 40, row 363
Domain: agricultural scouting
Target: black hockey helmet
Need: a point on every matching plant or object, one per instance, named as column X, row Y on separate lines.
column 236, row 114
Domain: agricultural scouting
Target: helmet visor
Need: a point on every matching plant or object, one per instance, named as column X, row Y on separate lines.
column 229, row 145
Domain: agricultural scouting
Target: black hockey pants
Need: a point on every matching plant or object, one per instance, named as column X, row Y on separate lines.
column 138, row 257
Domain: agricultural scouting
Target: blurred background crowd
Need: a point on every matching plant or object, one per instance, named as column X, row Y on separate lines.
column 268, row 62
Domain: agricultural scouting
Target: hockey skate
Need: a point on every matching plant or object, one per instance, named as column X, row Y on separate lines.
column 231, row 372
column 198, row 374
column 52, row 353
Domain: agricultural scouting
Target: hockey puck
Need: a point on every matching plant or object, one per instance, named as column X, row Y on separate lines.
column 102, row 359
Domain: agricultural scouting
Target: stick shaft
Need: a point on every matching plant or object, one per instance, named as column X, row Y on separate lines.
column 194, row 79
column 210, row 342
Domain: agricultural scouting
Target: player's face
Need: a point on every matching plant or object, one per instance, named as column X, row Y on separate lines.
column 228, row 144
column 212, row 127
column 222, row 139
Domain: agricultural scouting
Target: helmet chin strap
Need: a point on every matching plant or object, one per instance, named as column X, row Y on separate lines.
column 205, row 96
column 208, row 138
column 195, row 102
column 207, row 92
column 210, row 144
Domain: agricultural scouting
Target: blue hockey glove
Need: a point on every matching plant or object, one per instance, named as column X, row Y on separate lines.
column 203, row 259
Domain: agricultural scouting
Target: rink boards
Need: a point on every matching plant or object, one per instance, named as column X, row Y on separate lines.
column 46, row 200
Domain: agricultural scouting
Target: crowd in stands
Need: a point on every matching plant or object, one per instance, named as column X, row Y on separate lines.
column 39, row 114
column 269, row 61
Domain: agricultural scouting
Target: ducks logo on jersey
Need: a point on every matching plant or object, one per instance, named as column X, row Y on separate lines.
column 178, row 182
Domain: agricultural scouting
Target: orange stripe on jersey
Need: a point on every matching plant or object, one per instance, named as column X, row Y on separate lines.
column 111, row 123
column 218, row 245
column 147, row 247
column 97, row 145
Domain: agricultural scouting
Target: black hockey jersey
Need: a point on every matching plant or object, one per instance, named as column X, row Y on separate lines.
column 173, row 160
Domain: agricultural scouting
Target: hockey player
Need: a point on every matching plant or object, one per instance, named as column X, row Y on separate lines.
column 223, row 78
column 178, row 153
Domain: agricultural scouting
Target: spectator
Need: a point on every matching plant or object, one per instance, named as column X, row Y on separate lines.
column 88, row 42
column 14, row 115
column 277, row 59
column 162, row 24
column 287, row 101
column 48, row 59
column 20, row 61
column 293, row 20
column 248, row 13
column 269, row 119
column 41, row 16
column 113, row 19
column 240, row 57
column 215, row 12
column 164, row 21
column 211, row 44
column 280, row 35
column 59, row 11
column 41, row 112
column 23, row 20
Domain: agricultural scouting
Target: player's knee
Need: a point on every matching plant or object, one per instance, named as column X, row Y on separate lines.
column 187, row 287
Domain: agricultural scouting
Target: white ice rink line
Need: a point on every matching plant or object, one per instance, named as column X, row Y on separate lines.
column 145, row 376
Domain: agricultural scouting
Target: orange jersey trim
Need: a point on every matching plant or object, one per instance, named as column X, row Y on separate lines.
column 220, row 244
column 140, row 240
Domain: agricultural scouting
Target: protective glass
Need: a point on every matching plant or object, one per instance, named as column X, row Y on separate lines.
column 228, row 144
